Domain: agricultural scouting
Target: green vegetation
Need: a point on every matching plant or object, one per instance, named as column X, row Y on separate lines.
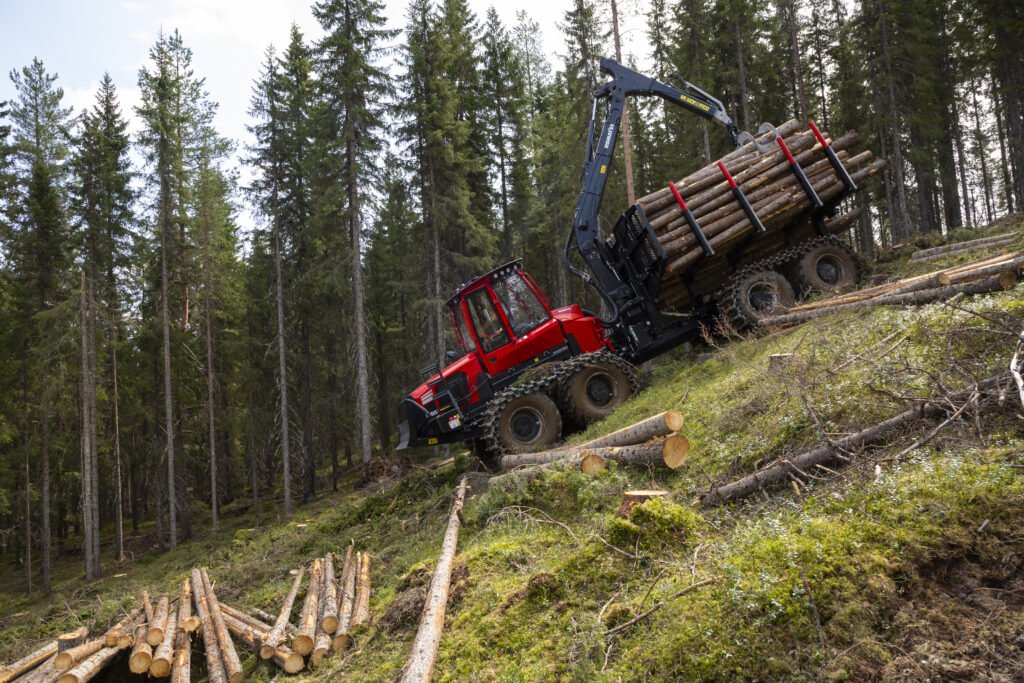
column 546, row 566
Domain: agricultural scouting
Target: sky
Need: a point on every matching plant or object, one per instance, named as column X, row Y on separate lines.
column 81, row 39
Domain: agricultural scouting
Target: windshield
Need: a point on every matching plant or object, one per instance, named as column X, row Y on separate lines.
column 524, row 310
column 486, row 321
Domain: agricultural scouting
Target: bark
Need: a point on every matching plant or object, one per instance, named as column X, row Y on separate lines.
column 28, row 662
column 253, row 639
column 160, row 666
column 341, row 637
column 935, row 253
column 303, row 640
column 208, row 338
column 181, row 666
column 72, row 639
column 277, row 632
column 1004, row 164
column 420, row 665
column 627, row 151
column 94, row 475
column 798, row 465
column 361, row 610
column 797, row 65
column 44, row 496
column 147, row 605
column 186, row 620
column 329, row 608
column 165, row 217
column 282, row 378
column 670, row 453
column 362, row 375
column 87, row 521
column 28, row 526
column 986, row 183
column 158, row 624
column 214, row 664
column 90, row 667
column 68, row 658
column 118, row 502
column 639, row 433
column 585, row 462
column 228, row 655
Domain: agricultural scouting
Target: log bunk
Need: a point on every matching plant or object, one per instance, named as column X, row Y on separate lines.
column 160, row 638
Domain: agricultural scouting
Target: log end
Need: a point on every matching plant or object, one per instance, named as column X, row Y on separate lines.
column 266, row 651
column 160, row 668
column 140, row 661
column 112, row 639
column 674, row 420
column 303, row 645
column 155, row 636
column 1007, row 279
column 943, row 279
column 317, row 657
column 124, row 640
column 236, row 677
column 592, row 464
column 342, row 641
column 293, row 662
column 69, row 678
column 63, row 661
column 329, row 624
column 191, row 624
column 674, row 453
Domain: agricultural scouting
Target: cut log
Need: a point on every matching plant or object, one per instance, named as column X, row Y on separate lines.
column 120, row 634
column 630, row 499
column 147, row 605
column 277, row 632
column 670, row 452
column 68, row 658
column 322, row 639
column 362, row 607
column 142, row 652
column 303, row 640
column 252, row 638
column 343, row 639
column 91, row 666
column 329, row 607
column 72, row 639
column 1004, row 280
column 228, row 654
column 662, row 424
column 28, row 662
column 586, row 462
column 160, row 667
column 420, row 665
column 214, row 665
column 186, row 619
column 796, row 466
column 158, row 624
column 44, row 673
column 980, row 243
column 181, row 669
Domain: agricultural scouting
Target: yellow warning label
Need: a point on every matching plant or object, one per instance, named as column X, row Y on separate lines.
column 603, row 168
column 431, row 441
column 695, row 103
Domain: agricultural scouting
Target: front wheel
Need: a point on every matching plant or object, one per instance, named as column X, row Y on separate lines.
column 529, row 423
column 595, row 391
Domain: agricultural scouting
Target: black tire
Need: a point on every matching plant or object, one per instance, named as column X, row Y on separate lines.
column 757, row 294
column 826, row 267
column 594, row 392
column 529, row 423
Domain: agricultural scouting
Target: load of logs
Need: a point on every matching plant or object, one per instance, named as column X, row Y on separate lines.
column 159, row 638
column 764, row 173
column 652, row 442
column 958, row 248
column 990, row 274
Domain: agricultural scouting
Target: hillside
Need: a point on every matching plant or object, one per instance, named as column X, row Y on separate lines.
column 910, row 560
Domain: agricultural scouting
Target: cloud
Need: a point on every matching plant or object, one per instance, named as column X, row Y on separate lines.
column 128, row 97
column 133, row 6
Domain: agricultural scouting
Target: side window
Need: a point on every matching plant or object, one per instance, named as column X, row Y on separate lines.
column 524, row 310
column 462, row 332
column 486, row 321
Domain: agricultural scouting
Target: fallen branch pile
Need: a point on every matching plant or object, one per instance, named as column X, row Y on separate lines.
column 160, row 637
column 947, row 250
column 984, row 275
column 796, row 468
column 772, row 189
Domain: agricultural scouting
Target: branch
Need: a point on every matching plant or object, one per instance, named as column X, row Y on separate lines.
column 654, row 608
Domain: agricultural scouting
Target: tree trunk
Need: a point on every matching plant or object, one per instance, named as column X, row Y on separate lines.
column 794, row 52
column 44, row 495
column 986, row 184
column 181, row 668
column 186, row 620
column 158, row 624
column 309, row 489
column 142, row 652
column 68, row 658
column 362, row 377
column 165, row 319
column 420, row 665
column 277, row 632
column 214, row 663
column 228, row 655
column 118, row 502
column 161, row 664
column 1003, row 160
column 329, row 608
column 627, row 150
column 208, row 338
column 94, row 475
column 303, row 640
column 282, row 373
column 361, row 611
column 341, row 637
column 86, row 495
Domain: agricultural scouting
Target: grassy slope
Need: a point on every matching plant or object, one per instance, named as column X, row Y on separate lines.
column 880, row 549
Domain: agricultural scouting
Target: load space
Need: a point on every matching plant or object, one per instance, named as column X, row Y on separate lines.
column 739, row 240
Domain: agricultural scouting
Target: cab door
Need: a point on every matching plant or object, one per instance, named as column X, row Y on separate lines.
column 533, row 327
column 493, row 338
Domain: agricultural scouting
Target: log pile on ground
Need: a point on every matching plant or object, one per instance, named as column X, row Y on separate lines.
column 770, row 186
column 990, row 274
column 956, row 249
column 160, row 637
column 652, row 442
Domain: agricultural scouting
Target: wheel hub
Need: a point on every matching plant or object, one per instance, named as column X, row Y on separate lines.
column 829, row 269
column 763, row 298
column 600, row 390
column 525, row 424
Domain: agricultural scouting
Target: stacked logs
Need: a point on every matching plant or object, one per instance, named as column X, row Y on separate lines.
column 990, row 274
column 772, row 189
column 652, row 442
column 159, row 637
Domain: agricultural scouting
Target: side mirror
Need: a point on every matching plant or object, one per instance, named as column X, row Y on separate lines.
column 451, row 355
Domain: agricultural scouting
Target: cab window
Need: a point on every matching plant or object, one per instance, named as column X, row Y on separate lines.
column 461, row 331
column 486, row 322
column 524, row 310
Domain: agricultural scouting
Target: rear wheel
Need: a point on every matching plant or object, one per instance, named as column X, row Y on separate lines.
column 529, row 423
column 595, row 391
column 825, row 267
column 755, row 295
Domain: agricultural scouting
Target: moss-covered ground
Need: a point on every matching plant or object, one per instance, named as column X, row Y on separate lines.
column 912, row 559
